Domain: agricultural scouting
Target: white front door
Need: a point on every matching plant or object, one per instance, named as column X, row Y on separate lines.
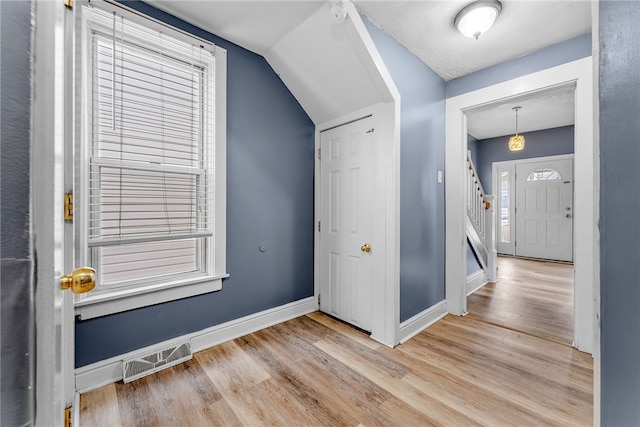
column 544, row 210
column 345, row 222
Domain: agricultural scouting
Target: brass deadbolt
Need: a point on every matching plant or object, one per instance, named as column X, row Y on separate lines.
column 365, row 248
column 80, row 281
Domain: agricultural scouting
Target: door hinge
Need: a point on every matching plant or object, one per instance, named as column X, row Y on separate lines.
column 318, row 226
column 68, row 3
column 318, row 299
column 67, row 417
column 319, row 153
column 68, row 206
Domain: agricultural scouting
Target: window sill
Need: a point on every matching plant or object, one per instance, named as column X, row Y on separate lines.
column 128, row 299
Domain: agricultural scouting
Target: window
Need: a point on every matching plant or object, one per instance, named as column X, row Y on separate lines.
column 154, row 159
column 505, row 207
column 544, row 174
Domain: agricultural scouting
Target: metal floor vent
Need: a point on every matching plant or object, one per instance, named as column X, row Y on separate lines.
column 138, row 367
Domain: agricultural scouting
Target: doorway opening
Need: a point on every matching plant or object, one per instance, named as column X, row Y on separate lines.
column 533, row 191
column 579, row 75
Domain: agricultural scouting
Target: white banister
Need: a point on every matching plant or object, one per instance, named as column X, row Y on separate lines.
column 481, row 221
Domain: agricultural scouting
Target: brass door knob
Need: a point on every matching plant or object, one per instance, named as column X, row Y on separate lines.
column 80, row 281
column 365, row 248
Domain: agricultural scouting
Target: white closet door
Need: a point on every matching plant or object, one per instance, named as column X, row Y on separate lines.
column 346, row 196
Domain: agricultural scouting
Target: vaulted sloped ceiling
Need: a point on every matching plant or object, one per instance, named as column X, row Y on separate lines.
column 325, row 64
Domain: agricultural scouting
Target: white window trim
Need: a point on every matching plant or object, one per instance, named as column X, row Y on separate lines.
column 89, row 306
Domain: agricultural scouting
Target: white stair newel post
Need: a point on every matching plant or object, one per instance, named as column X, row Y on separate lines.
column 490, row 239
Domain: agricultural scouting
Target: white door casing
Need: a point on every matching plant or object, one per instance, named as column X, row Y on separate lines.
column 578, row 74
column 385, row 246
column 51, row 128
column 544, row 210
column 346, row 192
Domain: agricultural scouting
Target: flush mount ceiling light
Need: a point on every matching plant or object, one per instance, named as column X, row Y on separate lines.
column 476, row 18
column 516, row 142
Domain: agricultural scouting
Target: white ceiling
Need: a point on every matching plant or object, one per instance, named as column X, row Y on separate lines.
column 256, row 25
column 524, row 26
column 551, row 109
column 426, row 29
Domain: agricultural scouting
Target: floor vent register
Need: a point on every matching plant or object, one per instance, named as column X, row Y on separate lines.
column 140, row 366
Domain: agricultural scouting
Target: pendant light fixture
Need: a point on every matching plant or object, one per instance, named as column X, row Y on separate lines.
column 476, row 18
column 516, row 142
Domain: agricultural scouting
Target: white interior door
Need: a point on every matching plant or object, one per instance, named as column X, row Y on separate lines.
column 544, row 210
column 345, row 222
column 52, row 139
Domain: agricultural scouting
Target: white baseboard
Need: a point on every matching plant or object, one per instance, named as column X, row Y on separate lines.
column 108, row 371
column 421, row 321
column 475, row 281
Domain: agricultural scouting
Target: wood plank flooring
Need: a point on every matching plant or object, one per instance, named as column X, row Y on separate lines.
column 535, row 297
column 316, row 371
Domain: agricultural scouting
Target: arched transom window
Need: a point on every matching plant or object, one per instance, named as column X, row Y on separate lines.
column 544, row 174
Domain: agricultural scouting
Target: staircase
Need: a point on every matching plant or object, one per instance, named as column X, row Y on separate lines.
column 481, row 222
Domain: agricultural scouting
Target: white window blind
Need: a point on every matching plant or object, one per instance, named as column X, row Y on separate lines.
column 150, row 148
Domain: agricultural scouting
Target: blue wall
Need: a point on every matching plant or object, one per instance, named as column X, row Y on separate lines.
column 421, row 156
column 551, row 56
column 270, row 173
column 548, row 142
column 473, row 264
column 619, row 207
column 17, row 333
column 472, row 146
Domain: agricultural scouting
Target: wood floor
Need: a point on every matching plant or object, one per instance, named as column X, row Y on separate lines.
column 531, row 296
column 316, row 371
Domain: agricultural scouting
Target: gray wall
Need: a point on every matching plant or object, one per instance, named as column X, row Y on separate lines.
column 548, row 142
column 619, row 207
column 16, row 127
column 557, row 54
column 421, row 156
column 270, row 169
column 16, row 284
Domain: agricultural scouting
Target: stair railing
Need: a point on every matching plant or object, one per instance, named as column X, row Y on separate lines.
column 481, row 221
